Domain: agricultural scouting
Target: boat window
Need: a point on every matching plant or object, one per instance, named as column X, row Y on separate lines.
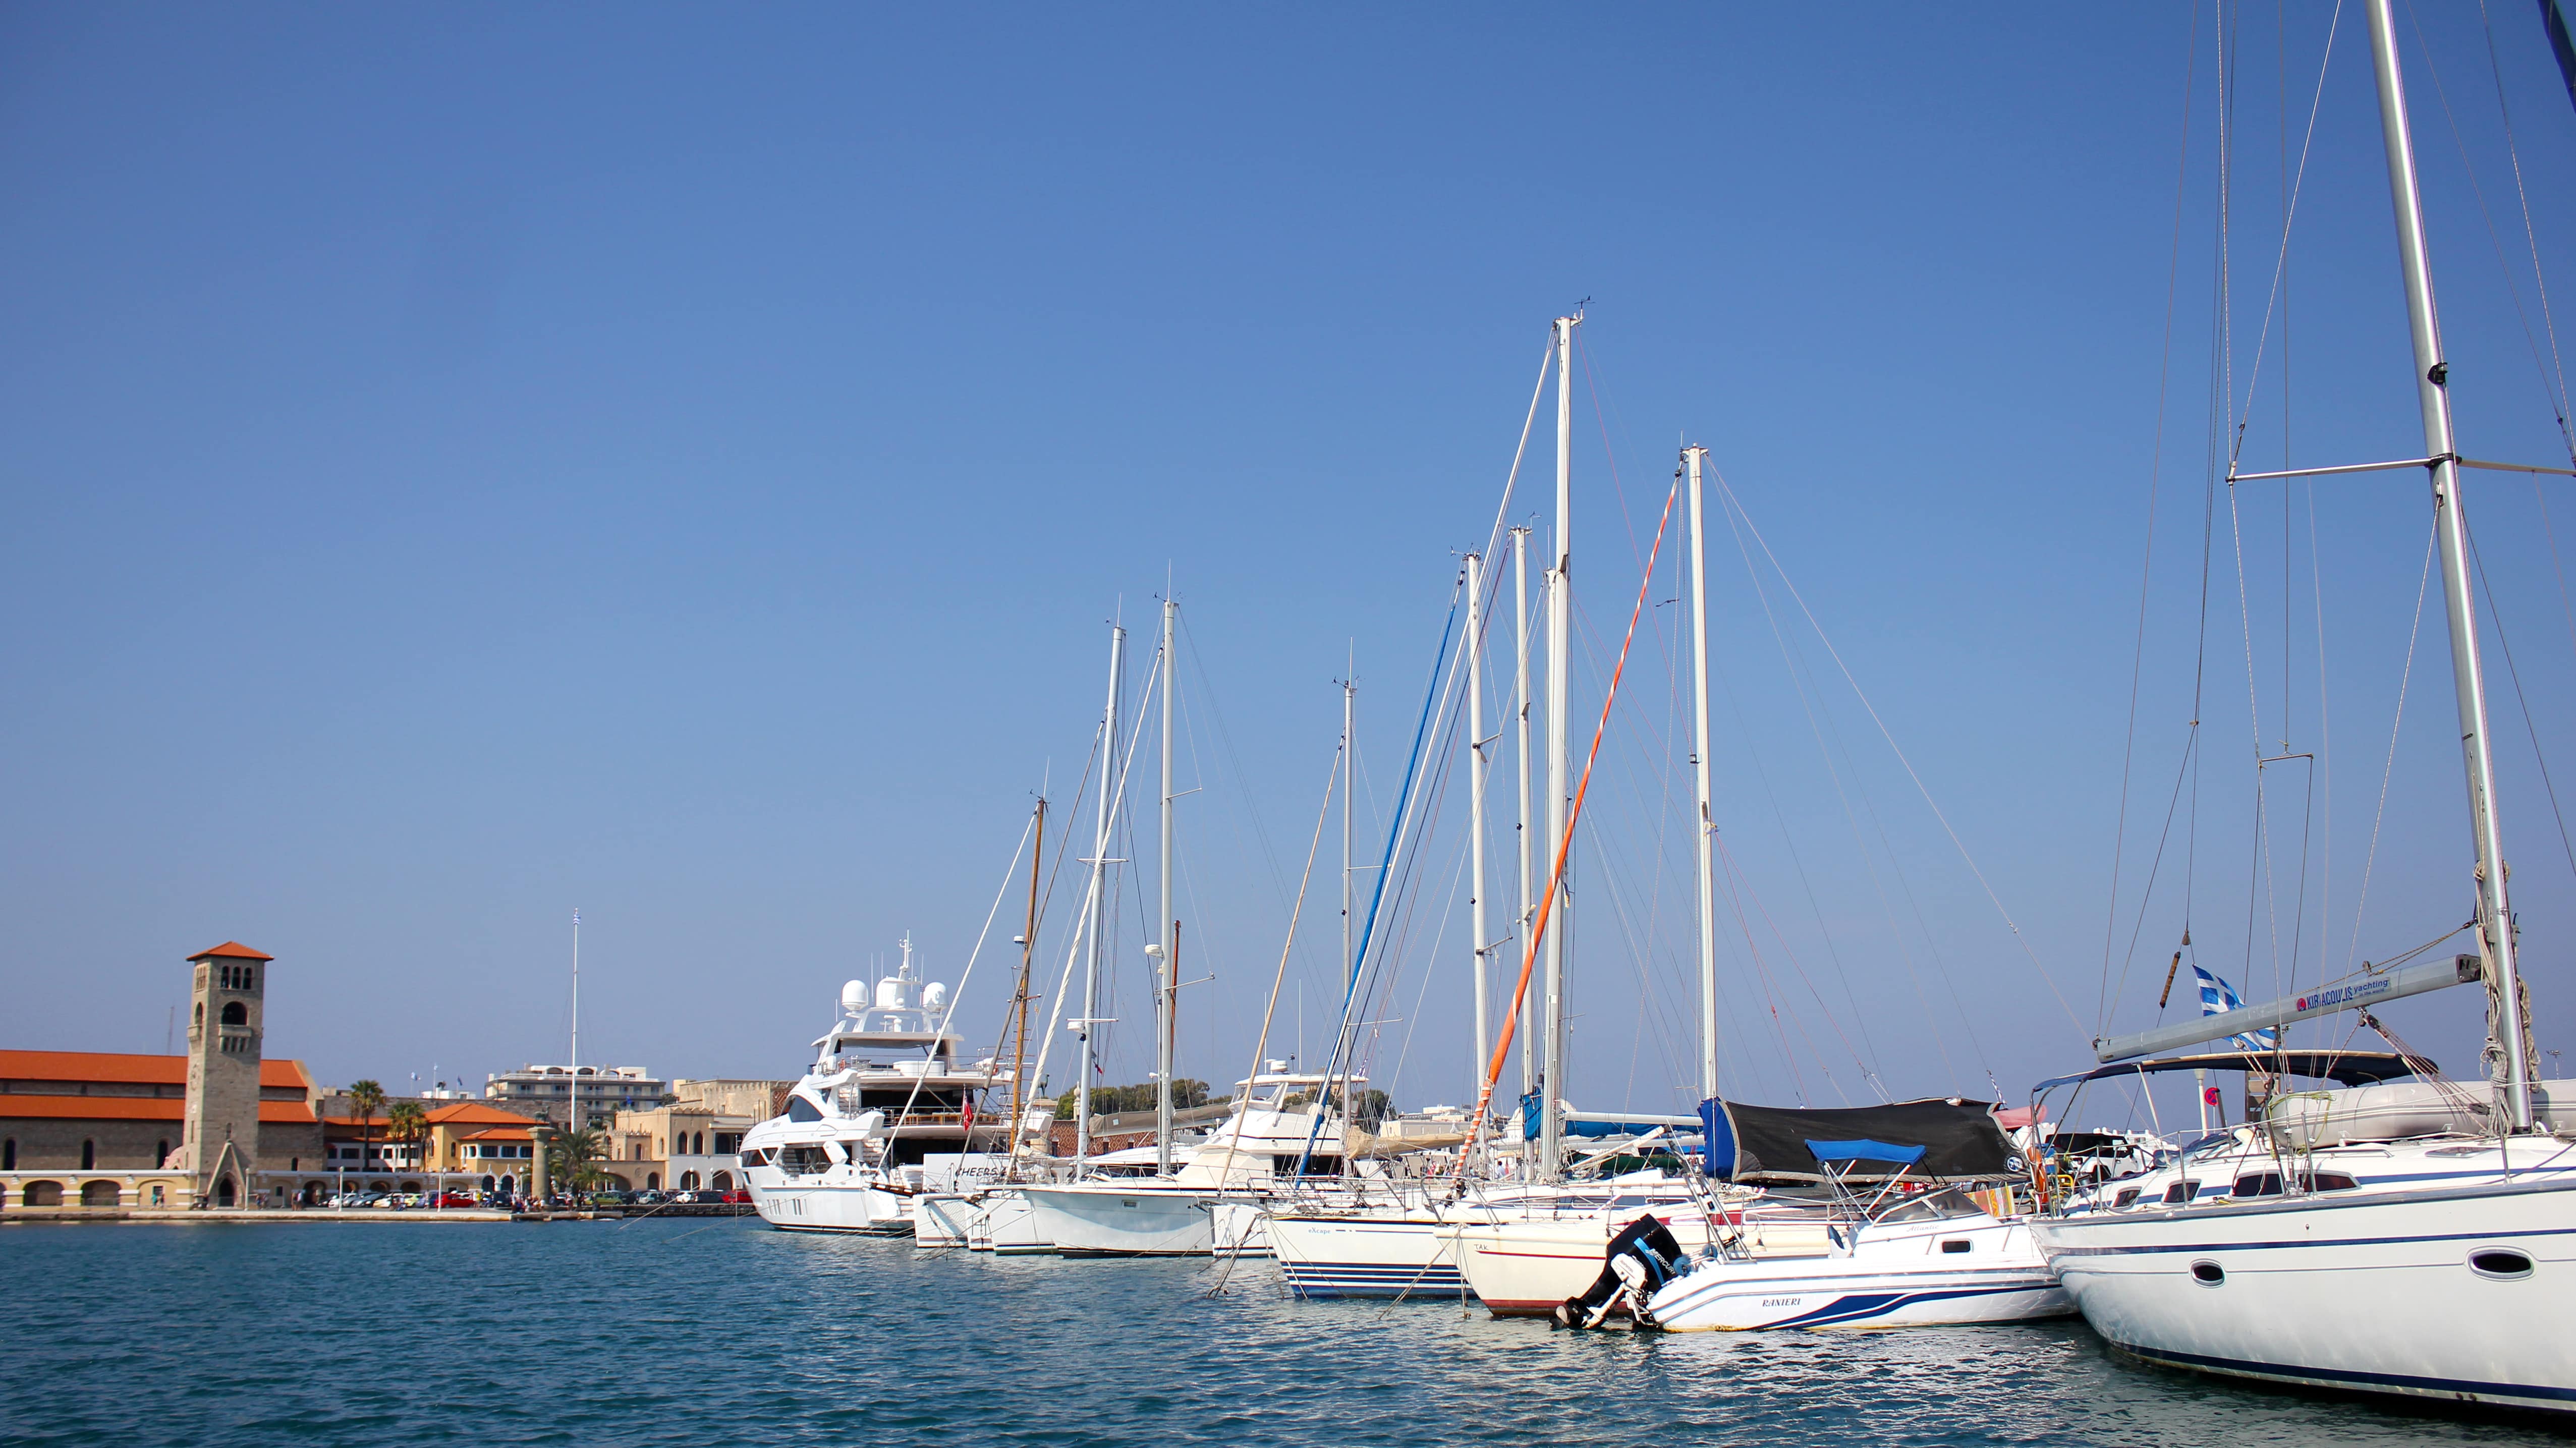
column 1932, row 1207
column 2499, row 1262
column 2332, row 1181
column 800, row 1109
column 2181, row 1192
column 2127, row 1198
column 2258, row 1184
column 1955, row 1244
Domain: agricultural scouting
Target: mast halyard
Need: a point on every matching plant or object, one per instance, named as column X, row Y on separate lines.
column 1551, row 1083
column 2508, row 1057
column 1694, row 458
column 1166, row 1003
column 1112, row 780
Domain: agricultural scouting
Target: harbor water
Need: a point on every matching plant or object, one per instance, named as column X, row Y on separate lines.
column 702, row 1333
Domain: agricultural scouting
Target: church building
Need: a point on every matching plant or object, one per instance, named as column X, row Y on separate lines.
column 220, row 1125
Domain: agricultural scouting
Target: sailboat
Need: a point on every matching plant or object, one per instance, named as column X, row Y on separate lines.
column 2299, row 1249
column 1519, row 1239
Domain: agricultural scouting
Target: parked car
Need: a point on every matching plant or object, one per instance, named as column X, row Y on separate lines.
column 650, row 1198
column 454, row 1199
column 740, row 1196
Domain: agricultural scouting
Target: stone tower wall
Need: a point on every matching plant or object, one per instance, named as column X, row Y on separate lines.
column 223, row 1067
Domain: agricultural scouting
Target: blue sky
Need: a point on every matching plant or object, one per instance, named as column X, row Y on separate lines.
column 469, row 464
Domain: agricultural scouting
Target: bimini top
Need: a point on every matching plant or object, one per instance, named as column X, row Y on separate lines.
column 2351, row 1068
column 1937, row 1138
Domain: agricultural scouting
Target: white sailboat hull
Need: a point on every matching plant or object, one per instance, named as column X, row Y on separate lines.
column 1366, row 1257
column 1114, row 1220
column 941, row 1221
column 1527, row 1268
column 1006, row 1226
column 2369, row 1292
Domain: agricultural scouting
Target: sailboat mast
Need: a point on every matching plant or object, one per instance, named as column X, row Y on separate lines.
column 1521, row 721
column 1476, row 769
column 1166, row 1001
column 1350, row 692
column 1695, row 457
column 1020, row 1006
column 2505, row 1043
column 1559, row 631
column 1096, row 923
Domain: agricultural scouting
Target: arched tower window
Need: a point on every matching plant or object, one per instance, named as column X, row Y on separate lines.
column 236, row 1014
column 201, row 1015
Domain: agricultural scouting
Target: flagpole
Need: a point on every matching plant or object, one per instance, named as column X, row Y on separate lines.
column 572, row 1071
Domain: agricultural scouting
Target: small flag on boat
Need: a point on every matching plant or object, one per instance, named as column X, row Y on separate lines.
column 2217, row 997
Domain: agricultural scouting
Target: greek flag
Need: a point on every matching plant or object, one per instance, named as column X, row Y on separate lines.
column 576, row 919
column 2217, row 997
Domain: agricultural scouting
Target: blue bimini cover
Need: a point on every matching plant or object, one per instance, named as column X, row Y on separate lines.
column 1933, row 1139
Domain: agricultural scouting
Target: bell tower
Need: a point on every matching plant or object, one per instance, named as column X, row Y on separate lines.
column 220, row 1148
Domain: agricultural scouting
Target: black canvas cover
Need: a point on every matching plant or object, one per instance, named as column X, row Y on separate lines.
column 1773, row 1143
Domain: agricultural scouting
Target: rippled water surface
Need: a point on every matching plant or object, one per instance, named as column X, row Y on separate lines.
column 699, row 1333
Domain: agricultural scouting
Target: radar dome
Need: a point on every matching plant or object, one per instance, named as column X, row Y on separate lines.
column 854, row 997
column 933, row 996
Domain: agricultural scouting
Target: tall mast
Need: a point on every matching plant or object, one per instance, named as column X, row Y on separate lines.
column 2507, row 1056
column 1695, row 457
column 1020, row 1005
column 1521, row 827
column 1350, row 690
column 1476, row 767
column 1166, row 1000
column 1559, row 630
column 1095, row 922
column 572, row 1068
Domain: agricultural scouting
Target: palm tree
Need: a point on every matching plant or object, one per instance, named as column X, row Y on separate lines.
column 406, row 1122
column 572, row 1157
column 369, row 1098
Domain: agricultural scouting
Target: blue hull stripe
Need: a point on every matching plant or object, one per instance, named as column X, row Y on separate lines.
column 1369, row 1279
column 2390, row 1382
column 1864, row 1305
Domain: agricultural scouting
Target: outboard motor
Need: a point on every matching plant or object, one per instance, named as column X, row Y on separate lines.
column 1643, row 1257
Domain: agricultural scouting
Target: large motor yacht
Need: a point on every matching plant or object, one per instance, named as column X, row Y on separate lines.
column 886, row 1113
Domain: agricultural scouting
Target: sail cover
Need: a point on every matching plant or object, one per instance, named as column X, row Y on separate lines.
column 1937, row 1137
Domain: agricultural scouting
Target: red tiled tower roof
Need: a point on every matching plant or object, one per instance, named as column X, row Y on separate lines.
column 231, row 950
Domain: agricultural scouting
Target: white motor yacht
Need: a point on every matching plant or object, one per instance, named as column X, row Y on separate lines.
column 886, row 1113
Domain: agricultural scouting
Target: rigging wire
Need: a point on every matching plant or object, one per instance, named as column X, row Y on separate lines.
column 2414, row 634
column 1910, row 772
column 2557, row 394
column 2146, row 568
column 2496, row 618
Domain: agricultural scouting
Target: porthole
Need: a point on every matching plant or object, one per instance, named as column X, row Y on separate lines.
column 2208, row 1274
column 2502, row 1262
